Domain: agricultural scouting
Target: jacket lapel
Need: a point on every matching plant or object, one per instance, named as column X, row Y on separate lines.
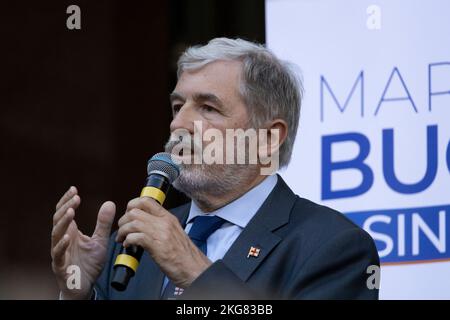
column 273, row 214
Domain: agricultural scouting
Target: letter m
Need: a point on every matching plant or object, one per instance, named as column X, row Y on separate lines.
column 324, row 84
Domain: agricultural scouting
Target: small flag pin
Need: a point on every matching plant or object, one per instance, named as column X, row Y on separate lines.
column 178, row 291
column 253, row 252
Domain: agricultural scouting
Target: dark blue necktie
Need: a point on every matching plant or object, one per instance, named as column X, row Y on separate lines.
column 201, row 229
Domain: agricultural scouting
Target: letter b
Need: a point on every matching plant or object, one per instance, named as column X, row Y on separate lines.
column 328, row 166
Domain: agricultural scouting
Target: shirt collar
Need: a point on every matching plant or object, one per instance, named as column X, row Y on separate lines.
column 240, row 211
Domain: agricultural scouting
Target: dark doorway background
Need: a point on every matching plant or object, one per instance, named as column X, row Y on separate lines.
column 88, row 108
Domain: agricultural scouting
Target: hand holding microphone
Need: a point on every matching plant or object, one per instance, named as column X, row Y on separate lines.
column 162, row 171
column 70, row 247
column 146, row 225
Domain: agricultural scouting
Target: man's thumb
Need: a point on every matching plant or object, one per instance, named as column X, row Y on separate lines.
column 105, row 219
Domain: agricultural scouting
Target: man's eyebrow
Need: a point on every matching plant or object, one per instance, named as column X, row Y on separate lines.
column 176, row 96
column 198, row 97
column 208, row 97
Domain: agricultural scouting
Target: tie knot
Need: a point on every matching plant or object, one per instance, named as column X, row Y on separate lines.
column 204, row 226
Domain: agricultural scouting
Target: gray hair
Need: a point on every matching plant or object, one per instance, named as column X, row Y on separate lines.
column 270, row 88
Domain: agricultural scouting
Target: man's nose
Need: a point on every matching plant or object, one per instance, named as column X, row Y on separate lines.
column 184, row 119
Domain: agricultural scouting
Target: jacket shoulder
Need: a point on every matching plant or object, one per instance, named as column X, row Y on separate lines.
column 316, row 224
column 307, row 211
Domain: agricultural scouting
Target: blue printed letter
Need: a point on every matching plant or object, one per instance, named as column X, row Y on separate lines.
column 358, row 163
column 323, row 82
column 388, row 162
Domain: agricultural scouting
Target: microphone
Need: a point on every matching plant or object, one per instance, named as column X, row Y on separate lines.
column 162, row 171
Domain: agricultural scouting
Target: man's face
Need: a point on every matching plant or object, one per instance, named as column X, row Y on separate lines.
column 209, row 96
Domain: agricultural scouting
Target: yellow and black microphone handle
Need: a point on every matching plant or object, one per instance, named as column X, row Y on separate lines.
column 127, row 262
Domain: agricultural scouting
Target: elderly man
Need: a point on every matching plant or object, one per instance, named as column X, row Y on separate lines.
column 264, row 241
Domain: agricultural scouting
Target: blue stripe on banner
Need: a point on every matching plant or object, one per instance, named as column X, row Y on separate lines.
column 408, row 235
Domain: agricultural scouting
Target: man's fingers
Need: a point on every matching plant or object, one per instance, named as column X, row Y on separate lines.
column 73, row 203
column 59, row 250
column 61, row 227
column 137, row 239
column 66, row 197
column 133, row 214
column 148, row 205
column 132, row 204
column 127, row 228
column 105, row 220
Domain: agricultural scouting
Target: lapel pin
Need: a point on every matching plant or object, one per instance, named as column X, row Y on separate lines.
column 253, row 252
column 178, row 291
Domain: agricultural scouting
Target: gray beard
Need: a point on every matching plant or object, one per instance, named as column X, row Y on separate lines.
column 213, row 180
column 201, row 182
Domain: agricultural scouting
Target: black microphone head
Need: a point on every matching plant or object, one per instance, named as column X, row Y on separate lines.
column 162, row 163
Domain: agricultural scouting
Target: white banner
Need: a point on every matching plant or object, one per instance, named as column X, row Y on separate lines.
column 374, row 135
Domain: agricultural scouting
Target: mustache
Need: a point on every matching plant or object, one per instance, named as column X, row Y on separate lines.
column 181, row 145
column 170, row 145
column 177, row 150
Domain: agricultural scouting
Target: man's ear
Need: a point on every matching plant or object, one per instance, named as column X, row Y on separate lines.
column 277, row 132
column 270, row 141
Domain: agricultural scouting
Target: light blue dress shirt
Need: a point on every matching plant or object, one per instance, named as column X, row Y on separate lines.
column 237, row 215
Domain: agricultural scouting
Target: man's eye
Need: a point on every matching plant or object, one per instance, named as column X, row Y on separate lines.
column 176, row 108
column 208, row 108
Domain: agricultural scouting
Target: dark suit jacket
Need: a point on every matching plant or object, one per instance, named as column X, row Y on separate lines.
column 308, row 251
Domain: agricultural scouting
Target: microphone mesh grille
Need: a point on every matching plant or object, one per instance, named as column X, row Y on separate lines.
column 163, row 162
